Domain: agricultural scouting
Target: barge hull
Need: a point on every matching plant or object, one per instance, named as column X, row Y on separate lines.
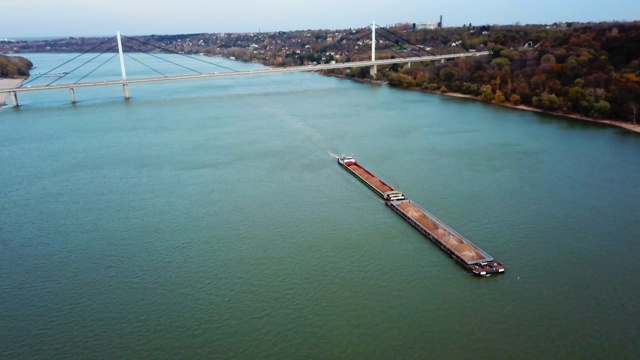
column 455, row 245
column 460, row 249
column 371, row 181
column 436, row 229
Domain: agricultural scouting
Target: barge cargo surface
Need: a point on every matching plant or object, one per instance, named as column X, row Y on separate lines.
column 378, row 186
column 460, row 249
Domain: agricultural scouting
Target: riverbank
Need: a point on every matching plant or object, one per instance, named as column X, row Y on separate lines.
column 360, row 80
column 8, row 84
column 627, row 126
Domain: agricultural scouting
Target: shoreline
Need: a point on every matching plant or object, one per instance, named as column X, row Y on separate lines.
column 366, row 81
column 619, row 124
column 8, row 84
column 623, row 125
column 14, row 83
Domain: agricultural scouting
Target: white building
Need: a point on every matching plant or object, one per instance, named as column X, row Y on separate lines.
column 427, row 25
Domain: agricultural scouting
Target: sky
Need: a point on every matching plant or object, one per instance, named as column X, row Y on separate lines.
column 64, row 18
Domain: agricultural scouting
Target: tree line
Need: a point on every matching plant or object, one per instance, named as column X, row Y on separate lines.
column 13, row 67
column 587, row 69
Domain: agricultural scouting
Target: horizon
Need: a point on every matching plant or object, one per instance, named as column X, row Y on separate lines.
column 169, row 17
column 62, row 37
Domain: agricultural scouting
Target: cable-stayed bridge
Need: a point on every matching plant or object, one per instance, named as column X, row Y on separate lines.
column 224, row 73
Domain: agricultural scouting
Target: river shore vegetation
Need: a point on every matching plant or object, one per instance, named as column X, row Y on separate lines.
column 14, row 67
column 587, row 70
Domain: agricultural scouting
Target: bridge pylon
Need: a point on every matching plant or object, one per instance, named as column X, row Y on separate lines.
column 373, row 70
column 125, row 86
column 14, row 99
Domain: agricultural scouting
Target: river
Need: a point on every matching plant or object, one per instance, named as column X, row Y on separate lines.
column 210, row 219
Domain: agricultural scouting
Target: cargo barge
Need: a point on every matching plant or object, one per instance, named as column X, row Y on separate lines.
column 378, row 186
column 455, row 245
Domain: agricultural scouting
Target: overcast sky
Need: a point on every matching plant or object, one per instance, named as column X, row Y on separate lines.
column 34, row 18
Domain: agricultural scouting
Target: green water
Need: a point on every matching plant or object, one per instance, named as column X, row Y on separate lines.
column 208, row 219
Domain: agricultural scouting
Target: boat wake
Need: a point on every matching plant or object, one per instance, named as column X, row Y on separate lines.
column 309, row 132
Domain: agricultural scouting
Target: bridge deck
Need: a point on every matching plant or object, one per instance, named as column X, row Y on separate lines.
column 246, row 72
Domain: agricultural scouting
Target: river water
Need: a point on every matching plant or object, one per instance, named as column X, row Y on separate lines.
column 210, row 219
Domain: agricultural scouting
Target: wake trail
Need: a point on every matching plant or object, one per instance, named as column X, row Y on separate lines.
column 308, row 132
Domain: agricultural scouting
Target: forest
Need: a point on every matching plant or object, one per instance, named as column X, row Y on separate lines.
column 14, row 67
column 587, row 69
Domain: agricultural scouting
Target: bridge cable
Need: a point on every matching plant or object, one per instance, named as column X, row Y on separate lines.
column 158, row 57
column 177, row 53
column 365, row 47
column 68, row 61
column 395, row 52
column 326, row 47
column 407, row 41
column 390, row 40
column 143, row 64
column 81, row 65
column 402, row 46
column 369, row 33
column 368, row 27
column 335, row 43
column 98, row 67
column 361, row 48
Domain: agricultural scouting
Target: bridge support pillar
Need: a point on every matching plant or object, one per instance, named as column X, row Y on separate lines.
column 125, row 86
column 73, row 95
column 442, row 61
column 14, row 99
column 374, row 69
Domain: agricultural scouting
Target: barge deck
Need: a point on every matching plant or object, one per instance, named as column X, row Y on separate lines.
column 463, row 251
column 378, row 186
